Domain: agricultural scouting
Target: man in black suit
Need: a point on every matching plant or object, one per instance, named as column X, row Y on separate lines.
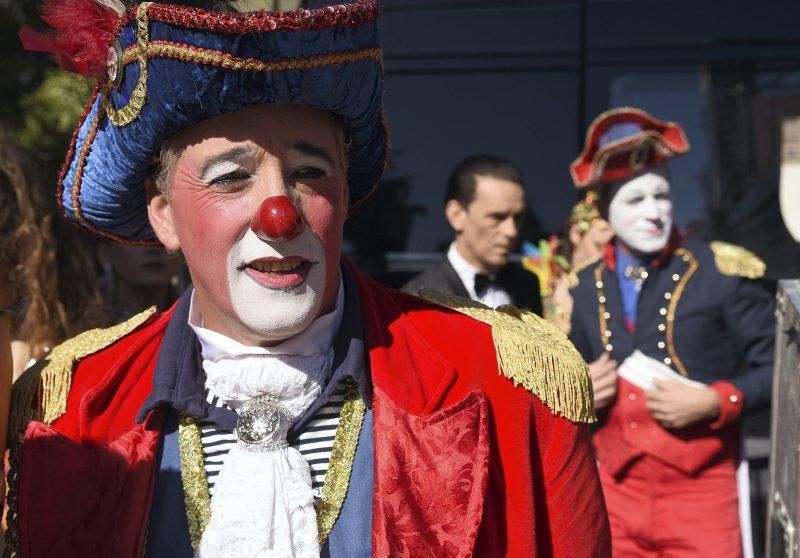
column 484, row 204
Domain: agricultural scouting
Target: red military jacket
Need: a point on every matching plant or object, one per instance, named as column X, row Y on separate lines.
column 466, row 462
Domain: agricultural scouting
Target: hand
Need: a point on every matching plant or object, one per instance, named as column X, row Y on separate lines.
column 604, row 380
column 676, row 405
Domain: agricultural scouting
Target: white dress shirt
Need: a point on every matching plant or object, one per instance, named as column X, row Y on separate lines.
column 494, row 296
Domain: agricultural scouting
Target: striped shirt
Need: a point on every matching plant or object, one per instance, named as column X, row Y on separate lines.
column 314, row 442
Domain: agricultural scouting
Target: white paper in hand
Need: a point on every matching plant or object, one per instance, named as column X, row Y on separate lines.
column 642, row 371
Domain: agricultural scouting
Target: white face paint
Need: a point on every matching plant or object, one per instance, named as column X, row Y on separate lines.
column 276, row 311
column 641, row 212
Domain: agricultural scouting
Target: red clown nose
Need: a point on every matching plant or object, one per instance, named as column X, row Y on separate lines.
column 277, row 220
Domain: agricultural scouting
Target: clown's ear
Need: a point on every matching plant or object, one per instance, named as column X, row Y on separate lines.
column 159, row 213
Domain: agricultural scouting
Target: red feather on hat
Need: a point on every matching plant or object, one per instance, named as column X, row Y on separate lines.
column 81, row 33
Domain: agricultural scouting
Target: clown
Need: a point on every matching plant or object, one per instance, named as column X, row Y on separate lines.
column 680, row 337
column 286, row 405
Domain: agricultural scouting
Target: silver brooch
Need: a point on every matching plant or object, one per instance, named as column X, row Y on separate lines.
column 263, row 423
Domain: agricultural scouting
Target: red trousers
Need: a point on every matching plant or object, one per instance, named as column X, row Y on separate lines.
column 657, row 511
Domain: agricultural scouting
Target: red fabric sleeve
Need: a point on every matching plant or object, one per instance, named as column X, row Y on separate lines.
column 576, row 513
column 731, row 402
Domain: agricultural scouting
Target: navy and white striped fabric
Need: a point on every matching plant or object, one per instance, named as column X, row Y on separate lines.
column 314, row 442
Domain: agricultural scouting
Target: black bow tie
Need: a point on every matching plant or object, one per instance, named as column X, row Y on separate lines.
column 482, row 283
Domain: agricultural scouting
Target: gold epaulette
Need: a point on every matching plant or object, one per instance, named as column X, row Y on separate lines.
column 41, row 392
column 533, row 353
column 737, row 261
column 574, row 281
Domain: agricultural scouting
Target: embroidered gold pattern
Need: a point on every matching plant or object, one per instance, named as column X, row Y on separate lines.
column 128, row 113
column 52, row 378
column 337, row 478
column 534, row 353
column 737, row 261
column 193, row 475
column 689, row 258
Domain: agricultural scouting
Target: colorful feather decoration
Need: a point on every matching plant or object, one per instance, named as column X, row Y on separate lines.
column 80, row 35
column 545, row 262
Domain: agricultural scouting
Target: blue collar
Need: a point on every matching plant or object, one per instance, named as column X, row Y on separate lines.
column 627, row 286
column 179, row 379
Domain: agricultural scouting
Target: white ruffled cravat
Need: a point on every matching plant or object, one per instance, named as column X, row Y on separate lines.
column 263, row 505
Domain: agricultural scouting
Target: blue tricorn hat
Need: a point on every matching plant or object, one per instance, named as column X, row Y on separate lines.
column 172, row 66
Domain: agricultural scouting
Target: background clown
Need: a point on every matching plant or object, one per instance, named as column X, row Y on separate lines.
column 680, row 337
column 286, row 405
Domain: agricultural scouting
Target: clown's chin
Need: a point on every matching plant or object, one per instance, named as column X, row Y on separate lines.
column 648, row 246
column 277, row 308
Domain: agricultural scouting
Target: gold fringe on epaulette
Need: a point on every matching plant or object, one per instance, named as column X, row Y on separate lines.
column 41, row 392
column 737, row 261
column 533, row 353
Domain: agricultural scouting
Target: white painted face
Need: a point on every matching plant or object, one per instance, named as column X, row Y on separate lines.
column 258, row 292
column 641, row 212
column 277, row 308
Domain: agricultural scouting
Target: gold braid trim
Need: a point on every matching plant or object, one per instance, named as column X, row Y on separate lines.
column 52, row 378
column 737, row 261
column 144, row 49
column 195, row 481
column 127, row 114
column 533, row 353
column 672, row 310
column 337, row 478
column 185, row 53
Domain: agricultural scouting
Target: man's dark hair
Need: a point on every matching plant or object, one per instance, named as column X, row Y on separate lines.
column 461, row 184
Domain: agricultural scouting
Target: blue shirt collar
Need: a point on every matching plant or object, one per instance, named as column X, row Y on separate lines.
column 629, row 293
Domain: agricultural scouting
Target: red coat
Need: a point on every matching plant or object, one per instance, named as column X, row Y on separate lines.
column 465, row 462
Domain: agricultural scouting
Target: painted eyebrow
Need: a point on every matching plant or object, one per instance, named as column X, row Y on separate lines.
column 230, row 154
column 313, row 151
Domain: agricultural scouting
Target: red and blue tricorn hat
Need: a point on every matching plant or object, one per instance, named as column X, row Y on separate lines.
column 163, row 67
column 622, row 142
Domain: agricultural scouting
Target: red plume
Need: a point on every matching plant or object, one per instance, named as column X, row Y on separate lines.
column 82, row 31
